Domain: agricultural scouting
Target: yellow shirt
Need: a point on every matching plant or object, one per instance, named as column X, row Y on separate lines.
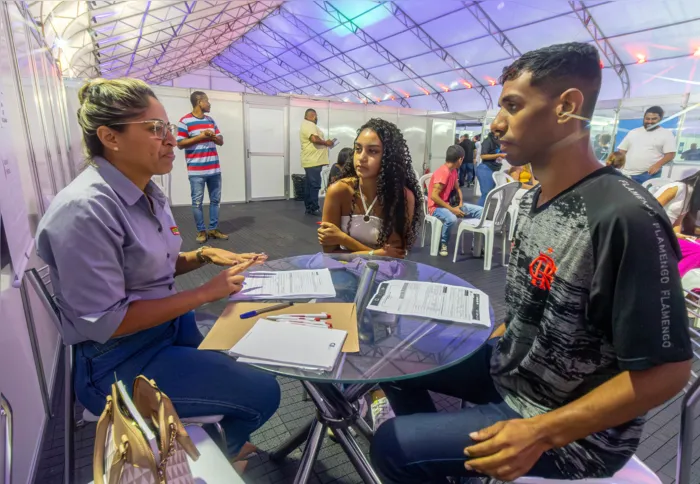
column 525, row 176
column 311, row 154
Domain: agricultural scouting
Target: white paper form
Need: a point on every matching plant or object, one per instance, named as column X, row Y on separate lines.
column 432, row 300
column 301, row 284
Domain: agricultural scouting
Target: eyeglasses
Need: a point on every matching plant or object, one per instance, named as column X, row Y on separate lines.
column 160, row 127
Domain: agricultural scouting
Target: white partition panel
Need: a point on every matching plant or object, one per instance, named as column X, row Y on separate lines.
column 227, row 111
column 344, row 123
column 415, row 130
column 267, row 164
column 442, row 136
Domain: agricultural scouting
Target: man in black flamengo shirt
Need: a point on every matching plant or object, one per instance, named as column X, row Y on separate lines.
column 596, row 332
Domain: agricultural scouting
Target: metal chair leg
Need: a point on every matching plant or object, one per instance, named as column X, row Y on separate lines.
column 69, row 414
column 222, row 434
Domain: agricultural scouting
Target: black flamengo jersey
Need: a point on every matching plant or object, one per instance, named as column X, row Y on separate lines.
column 592, row 290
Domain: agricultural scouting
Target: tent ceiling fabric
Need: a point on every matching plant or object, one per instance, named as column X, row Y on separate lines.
column 434, row 55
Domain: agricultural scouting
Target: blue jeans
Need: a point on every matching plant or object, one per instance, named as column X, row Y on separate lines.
column 485, row 176
column 198, row 382
column 448, row 219
column 213, row 184
column 466, row 173
column 311, row 188
column 644, row 177
column 421, row 445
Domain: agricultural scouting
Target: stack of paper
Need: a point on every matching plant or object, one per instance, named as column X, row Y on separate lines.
column 302, row 284
column 287, row 344
column 432, row 300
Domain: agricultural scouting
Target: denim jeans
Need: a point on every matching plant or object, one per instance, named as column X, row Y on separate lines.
column 421, row 445
column 644, row 177
column 466, row 173
column 198, row 382
column 312, row 187
column 485, row 176
column 213, row 184
column 448, row 219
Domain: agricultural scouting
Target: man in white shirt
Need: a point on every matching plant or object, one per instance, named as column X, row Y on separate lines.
column 648, row 148
column 314, row 156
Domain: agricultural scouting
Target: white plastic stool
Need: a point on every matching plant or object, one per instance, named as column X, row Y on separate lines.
column 634, row 472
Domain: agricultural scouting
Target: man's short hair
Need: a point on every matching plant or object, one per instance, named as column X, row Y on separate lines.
column 655, row 110
column 306, row 113
column 454, row 153
column 196, row 96
column 560, row 67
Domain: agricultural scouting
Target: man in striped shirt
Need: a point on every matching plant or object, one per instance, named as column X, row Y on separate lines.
column 198, row 135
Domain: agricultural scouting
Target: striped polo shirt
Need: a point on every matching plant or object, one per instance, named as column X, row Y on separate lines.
column 202, row 158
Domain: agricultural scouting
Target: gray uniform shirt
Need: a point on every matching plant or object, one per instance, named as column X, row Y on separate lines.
column 106, row 247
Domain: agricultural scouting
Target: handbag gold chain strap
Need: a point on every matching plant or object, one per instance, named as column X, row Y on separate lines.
column 171, row 450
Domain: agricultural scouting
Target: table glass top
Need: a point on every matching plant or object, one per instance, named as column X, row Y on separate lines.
column 392, row 347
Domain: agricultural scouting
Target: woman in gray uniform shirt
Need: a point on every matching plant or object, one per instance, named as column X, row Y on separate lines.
column 113, row 249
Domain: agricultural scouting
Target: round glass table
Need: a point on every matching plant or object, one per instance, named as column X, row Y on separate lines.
column 392, row 348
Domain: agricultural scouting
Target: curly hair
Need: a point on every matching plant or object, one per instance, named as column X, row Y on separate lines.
column 395, row 173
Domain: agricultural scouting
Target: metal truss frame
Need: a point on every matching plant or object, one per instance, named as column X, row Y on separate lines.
column 313, row 63
column 381, row 50
column 358, row 69
column 494, row 30
column 258, row 81
column 584, row 15
column 236, row 78
column 440, row 51
column 289, row 69
column 254, row 13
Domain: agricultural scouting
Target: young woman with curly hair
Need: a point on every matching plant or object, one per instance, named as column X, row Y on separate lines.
column 375, row 208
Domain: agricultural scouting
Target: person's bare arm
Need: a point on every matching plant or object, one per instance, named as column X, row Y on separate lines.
column 435, row 196
column 666, row 196
column 317, row 140
column 186, row 143
column 668, row 157
column 335, row 195
column 619, row 400
column 495, row 156
column 186, row 262
column 218, row 140
column 143, row 315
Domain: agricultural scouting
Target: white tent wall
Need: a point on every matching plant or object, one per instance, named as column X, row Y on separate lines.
column 36, row 145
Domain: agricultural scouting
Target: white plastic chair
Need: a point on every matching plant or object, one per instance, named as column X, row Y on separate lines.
column 654, row 184
column 435, row 223
column 500, row 178
column 212, row 467
column 487, row 225
column 325, row 175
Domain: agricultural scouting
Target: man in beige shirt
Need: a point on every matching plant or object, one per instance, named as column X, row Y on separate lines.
column 314, row 156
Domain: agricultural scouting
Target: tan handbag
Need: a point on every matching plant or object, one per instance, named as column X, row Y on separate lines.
column 130, row 457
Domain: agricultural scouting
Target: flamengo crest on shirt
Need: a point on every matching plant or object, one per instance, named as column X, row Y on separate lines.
column 175, row 230
column 542, row 270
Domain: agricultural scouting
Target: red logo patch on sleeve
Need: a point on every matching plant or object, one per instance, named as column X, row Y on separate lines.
column 175, row 230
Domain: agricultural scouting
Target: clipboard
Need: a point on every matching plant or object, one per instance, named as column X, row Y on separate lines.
column 230, row 328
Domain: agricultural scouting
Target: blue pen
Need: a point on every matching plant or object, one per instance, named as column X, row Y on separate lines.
column 252, row 314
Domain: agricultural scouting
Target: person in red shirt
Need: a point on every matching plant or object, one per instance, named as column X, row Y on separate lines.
column 442, row 183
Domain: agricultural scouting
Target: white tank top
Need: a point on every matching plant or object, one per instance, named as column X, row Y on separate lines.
column 363, row 228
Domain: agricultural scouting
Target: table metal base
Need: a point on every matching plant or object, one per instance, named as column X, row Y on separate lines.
column 334, row 410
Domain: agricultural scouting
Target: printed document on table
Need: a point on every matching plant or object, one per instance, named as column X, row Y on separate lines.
column 432, row 300
column 301, row 284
